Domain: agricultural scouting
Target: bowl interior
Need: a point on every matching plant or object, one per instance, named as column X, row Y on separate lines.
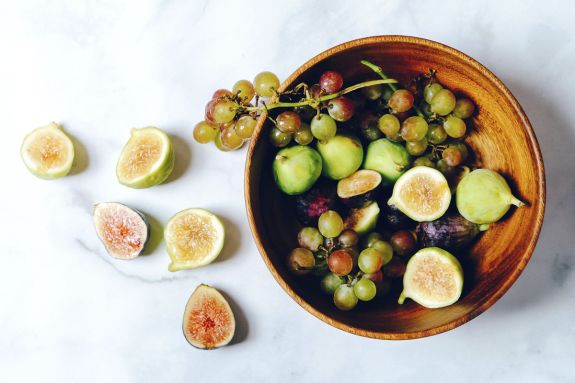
column 502, row 140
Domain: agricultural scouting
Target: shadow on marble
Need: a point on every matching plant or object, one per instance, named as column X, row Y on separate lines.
column 183, row 154
column 552, row 262
column 242, row 327
column 233, row 239
column 156, row 235
column 81, row 159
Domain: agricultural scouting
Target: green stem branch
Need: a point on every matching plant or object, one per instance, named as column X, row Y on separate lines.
column 392, row 86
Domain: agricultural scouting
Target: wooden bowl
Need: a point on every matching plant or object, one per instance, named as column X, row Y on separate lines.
column 502, row 140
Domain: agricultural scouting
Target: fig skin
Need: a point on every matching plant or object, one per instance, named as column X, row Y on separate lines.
column 449, row 232
column 208, row 305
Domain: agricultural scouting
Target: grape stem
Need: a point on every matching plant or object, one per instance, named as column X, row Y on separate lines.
column 392, row 86
column 314, row 102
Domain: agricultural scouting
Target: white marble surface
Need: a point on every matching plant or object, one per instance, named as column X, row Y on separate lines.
column 69, row 313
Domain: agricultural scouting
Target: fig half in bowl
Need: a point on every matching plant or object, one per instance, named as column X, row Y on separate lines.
column 502, row 140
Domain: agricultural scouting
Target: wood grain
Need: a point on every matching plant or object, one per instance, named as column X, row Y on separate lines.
column 503, row 140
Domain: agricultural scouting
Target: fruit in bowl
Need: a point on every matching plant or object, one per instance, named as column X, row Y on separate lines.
column 433, row 127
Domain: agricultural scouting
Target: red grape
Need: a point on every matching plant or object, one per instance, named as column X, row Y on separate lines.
column 403, row 242
column 341, row 108
column 401, row 100
column 221, row 93
column 288, row 122
column 331, row 81
column 340, row 262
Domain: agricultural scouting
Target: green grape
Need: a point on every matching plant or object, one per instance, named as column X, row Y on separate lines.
column 371, row 133
column 416, row 148
column 431, row 90
column 330, row 224
column 414, row 128
column 452, row 156
column 279, row 139
column 444, row 168
column 464, row 108
column 389, row 125
column 224, row 111
column 205, row 132
column 387, row 93
column 385, row 250
column 425, row 108
column 303, row 136
column 454, row 127
column 372, row 92
column 344, row 298
column 330, row 282
column 395, row 138
column 323, row 127
column 371, row 238
column 365, row 289
column 300, row 261
column 424, row 161
column 348, row 238
column 219, row 144
column 462, row 148
column 310, row 238
column 244, row 90
column 266, row 84
column 436, row 134
column 370, row 260
column 443, row 102
column 230, row 138
column 288, row 122
column 245, row 126
column 401, row 101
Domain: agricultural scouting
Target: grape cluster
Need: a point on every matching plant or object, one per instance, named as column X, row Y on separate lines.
column 230, row 116
column 348, row 274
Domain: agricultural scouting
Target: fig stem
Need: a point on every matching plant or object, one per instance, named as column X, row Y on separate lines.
column 402, row 297
column 311, row 102
column 484, row 227
column 516, row 201
column 377, row 69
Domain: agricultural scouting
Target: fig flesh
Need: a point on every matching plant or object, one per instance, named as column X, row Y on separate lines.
column 483, row 196
column 358, row 190
column 433, row 278
column 123, row 231
column 209, row 322
column 363, row 220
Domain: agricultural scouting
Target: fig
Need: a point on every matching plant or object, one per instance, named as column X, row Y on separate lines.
column 209, row 321
column 358, row 190
column 296, row 169
column 483, row 197
column 147, row 159
column 388, row 158
column 448, row 232
column 310, row 205
column 362, row 220
column 194, row 238
column 341, row 155
column 48, row 152
column 123, row 231
column 422, row 193
column 433, row 278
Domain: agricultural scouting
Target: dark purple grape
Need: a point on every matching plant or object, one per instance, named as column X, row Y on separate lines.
column 403, row 243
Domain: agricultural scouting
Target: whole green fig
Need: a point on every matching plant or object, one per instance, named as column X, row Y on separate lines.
column 483, row 196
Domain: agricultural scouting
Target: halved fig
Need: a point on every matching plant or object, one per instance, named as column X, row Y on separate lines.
column 123, row 231
column 48, row 152
column 208, row 319
column 363, row 220
column 358, row 189
column 433, row 278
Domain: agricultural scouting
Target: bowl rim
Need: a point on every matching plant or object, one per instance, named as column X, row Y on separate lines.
column 540, row 171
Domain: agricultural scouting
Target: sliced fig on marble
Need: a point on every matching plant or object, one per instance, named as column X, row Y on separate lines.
column 123, row 231
column 208, row 319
